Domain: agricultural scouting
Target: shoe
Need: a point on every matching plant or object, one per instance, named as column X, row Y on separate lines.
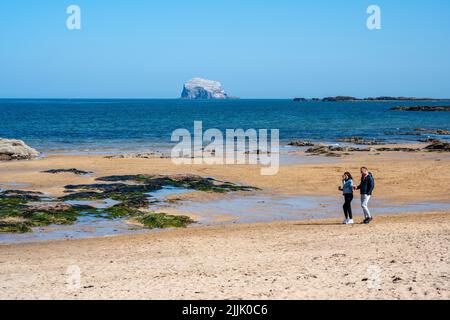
column 368, row 220
column 345, row 221
column 350, row 221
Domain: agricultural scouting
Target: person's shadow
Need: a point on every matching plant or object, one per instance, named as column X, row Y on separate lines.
column 321, row 224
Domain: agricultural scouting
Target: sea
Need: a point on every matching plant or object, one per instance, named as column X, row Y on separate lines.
column 104, row 126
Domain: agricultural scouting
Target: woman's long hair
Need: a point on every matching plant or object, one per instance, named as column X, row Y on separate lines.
column 349, row 175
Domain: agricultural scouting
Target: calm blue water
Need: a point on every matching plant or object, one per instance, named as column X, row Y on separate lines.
column 98, row 125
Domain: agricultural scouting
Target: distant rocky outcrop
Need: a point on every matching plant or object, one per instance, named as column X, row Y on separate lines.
column 350, row 98
column 202, row 89
column 16, row 150
column 421, row 108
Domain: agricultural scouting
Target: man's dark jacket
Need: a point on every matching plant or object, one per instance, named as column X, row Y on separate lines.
column 367, row 184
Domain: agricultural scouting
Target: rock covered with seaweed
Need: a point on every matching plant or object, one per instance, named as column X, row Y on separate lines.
column 20, row 211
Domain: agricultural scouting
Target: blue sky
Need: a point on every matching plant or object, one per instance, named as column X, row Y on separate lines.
column 257, row 49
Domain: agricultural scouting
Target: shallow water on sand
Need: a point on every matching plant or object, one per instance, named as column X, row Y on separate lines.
column 88, row 226
column 266, row 208
column 233, row 208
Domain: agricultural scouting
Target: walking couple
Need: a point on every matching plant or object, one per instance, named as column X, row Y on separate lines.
column 366, row 187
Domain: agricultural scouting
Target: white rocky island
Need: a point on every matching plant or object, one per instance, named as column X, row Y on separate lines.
column 198, row 88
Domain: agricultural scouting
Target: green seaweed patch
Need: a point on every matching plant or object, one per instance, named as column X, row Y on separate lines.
column 23, row 195
column 17, row 215
column 43, row 218
column 134, row 196
column 131, row 199
column 14, row 227
column 119, row 211
column 163, row 221
column 83, row 196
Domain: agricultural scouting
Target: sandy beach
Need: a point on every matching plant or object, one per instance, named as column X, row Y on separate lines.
column 401, row 256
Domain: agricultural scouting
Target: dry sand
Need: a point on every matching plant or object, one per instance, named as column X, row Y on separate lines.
column 404, row 256
column 399, row 257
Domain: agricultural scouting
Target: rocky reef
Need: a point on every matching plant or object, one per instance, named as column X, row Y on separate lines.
column 440, row 132
column 350, row 98
column 435, row 145
column 16, row 150
column 301, row 143
column 421, row 108
column 20, row 211
column 361, row 141
column 202, row 89
column 438, row 146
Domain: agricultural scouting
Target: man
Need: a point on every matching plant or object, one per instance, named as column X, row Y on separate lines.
column 366, row 188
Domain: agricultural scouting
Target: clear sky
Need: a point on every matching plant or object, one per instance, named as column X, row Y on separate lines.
column 257, row 49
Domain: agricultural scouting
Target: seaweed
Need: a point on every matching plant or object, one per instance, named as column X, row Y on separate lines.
column 120, row 211
column 73, row 170
column 14, row 227
column 188, row 182
column 163, row 221
column 22, row 210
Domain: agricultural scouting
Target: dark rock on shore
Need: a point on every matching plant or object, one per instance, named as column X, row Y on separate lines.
column 398, row 149
column 438, row 146
column 337, row 151
column 361, row 141
column 429, row 140
column 330, row 151
column 421, row 108
column 74, row 171
column 301, row 143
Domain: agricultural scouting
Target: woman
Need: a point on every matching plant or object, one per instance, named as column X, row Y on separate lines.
column 347, row 189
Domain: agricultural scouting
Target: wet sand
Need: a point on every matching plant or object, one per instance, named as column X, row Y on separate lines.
column 276, row 260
